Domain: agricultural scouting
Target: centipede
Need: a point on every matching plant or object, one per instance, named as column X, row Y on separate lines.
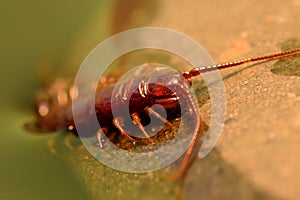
column 53, row 109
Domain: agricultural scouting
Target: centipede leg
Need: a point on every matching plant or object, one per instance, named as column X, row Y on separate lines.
column 99, row 135
column 188, row 153
column 118, row 122
column 157, row 115
column 137, row 120
column 50, row 144
column 67, row 141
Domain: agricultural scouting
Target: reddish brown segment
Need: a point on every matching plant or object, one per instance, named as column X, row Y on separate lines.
column 54, row 111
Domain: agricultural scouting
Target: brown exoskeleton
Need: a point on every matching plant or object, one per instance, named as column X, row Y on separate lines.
column 54, row 111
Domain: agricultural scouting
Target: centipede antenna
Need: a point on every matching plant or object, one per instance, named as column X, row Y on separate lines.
column 199, row 70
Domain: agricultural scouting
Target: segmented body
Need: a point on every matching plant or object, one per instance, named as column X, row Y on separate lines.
column 131, row 99
column 149, row 85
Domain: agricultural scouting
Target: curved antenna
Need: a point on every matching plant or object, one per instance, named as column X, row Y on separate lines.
column 199, row 70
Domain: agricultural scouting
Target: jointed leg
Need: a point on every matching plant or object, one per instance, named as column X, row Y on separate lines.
column 158, row 116
column 100, row 134
column 188, row 153
column 67, row 141
column 50, row 144
column 118, row 122
column 137, row 120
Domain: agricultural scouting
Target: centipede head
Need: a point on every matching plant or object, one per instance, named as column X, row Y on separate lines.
column 163, row 95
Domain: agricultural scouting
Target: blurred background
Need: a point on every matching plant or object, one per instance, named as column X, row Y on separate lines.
column 257, row 156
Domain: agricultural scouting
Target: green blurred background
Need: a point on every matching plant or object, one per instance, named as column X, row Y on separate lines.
column 32, row 34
